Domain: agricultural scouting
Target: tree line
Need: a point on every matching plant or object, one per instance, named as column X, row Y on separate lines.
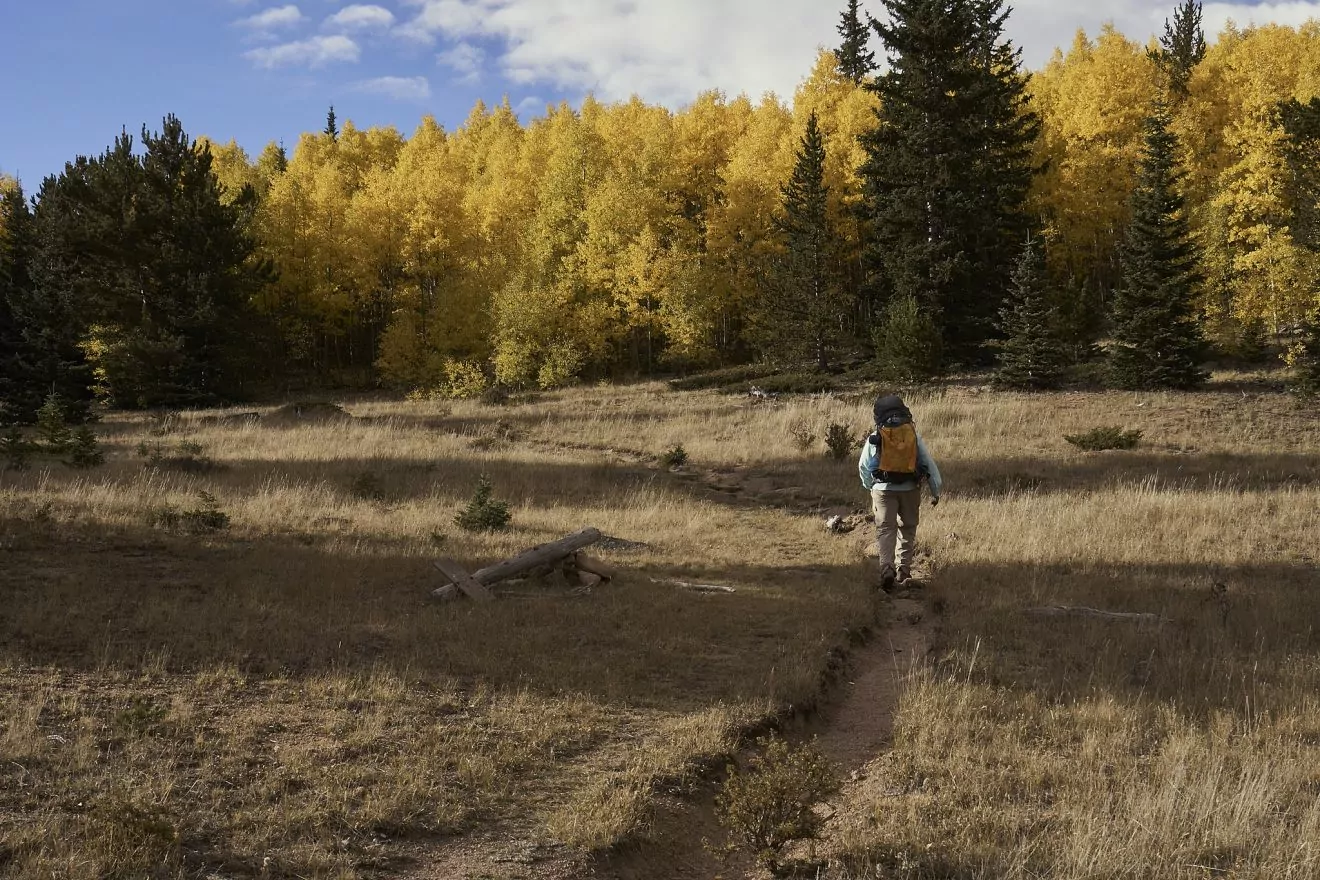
column 1124, row 212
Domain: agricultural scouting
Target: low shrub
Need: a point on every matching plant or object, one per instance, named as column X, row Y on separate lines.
column 484, row 513
column 770, row 804
column 465, row 380
column 207, row 517
column 674, row 456
column 1101, row 439
column 839, row 441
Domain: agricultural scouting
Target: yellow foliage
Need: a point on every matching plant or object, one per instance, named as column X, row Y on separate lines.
column 464, row 379
column 610, row 238
column 1092, row 102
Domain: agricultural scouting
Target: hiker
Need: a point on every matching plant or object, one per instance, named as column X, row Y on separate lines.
column 893, row 465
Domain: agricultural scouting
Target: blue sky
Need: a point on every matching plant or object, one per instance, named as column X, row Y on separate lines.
column 74, row 72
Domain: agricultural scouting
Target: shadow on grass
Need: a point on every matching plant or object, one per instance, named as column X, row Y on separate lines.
column 81, row 598
column 1236, row 636
column 1191, row 472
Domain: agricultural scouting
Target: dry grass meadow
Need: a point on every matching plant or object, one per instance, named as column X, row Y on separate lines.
column 283, row 698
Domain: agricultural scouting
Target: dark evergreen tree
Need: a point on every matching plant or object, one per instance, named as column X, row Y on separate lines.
column 948, row 166
column 856, row 60
column 805, row 307
column 1182, row 47
column 1302, row 124
column 39, row 351
column 1157, row 342
column 1033, row 354
column 331, row 124
column 155, row 266
column 15, row 369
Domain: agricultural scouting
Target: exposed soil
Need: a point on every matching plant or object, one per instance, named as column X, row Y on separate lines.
column 852, row 726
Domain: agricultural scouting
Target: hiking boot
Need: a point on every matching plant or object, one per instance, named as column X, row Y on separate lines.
column 887, row 579
column 904, row 575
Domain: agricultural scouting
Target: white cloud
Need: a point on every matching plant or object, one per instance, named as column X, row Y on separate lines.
column 271, row 19
column 450, row 17
column 669, row 51
column 530, row 104
column 465, row 60
column 1216, row 15
column 399, row 88
column 359, row 17
column 314, row 52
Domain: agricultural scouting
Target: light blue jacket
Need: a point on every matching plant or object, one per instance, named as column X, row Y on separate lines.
column 924, row 463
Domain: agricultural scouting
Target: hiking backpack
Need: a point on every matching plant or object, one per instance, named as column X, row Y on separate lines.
column 895, row 442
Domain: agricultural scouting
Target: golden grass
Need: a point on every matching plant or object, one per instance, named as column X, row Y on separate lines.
column 1072, row 748
column 283, row 698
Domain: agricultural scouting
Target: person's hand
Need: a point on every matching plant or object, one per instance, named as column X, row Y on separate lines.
column 935, row 502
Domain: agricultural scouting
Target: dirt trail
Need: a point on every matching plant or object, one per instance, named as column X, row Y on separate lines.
column 853, row 727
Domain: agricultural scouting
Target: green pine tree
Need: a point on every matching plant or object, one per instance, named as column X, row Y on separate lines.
column 949, row 165
column 53, row 426
column 1182, row 47
column 805, row 306
column 39, row 351
column 1032, row 354
column 332, row 124
column 856, row 60
column 83, row 450
column 907, row 342
column 1157, row 342
column 1302, row 124
column 15, row 371
column 155, row 268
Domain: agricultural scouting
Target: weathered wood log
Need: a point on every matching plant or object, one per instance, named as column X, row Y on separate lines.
column 447, row 593
column 699, row 588
column 459, row 577
column 537, row 556
column 599, row 567
column 1082, row 611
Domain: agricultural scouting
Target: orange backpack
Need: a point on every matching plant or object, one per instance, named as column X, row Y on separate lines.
column 897, row 458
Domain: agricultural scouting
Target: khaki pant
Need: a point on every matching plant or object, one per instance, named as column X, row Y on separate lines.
column 896, row 518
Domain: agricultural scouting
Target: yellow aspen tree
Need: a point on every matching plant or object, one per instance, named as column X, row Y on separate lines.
column 701, row 312
column 741, row 234
column 622, row 257
column 1260, row 277
column 231, row 166
column 547, row 327
column 844, row 112
column 1092, row 101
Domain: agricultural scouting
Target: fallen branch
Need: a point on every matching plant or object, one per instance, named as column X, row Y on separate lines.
column 599, row 567
column 1082, row 611
column 458, row 577
column 700, row 588
column 537, row 559
column 537, row 556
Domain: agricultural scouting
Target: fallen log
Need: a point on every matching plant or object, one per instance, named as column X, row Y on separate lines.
column 459, row 577
column 1082, row 611
column 538, row 558
column 511, row 568
column 699, row 588
column 599, row 567
column 588, row 578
